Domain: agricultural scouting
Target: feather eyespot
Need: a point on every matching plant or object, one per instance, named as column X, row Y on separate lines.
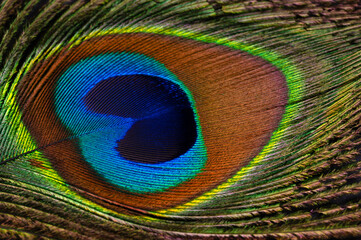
column 150, row 121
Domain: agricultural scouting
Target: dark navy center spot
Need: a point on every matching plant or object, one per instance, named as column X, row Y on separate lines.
column 165, row 127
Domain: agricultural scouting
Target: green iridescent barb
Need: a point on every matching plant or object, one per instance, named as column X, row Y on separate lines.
column 254, row 107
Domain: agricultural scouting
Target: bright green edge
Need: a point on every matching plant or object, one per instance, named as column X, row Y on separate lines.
column 295, row 88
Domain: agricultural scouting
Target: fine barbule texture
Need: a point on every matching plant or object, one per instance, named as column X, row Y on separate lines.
column 204, row 119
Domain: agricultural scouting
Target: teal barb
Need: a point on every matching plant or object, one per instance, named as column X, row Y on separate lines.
column 180, row 119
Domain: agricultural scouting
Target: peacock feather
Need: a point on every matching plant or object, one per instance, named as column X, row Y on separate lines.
column 204, row 119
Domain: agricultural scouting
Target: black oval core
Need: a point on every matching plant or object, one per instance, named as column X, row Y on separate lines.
column 165, row 127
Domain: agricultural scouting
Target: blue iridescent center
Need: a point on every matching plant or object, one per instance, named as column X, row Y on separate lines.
column 135, row 122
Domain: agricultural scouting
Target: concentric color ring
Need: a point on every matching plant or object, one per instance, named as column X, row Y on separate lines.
column 231, row 108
